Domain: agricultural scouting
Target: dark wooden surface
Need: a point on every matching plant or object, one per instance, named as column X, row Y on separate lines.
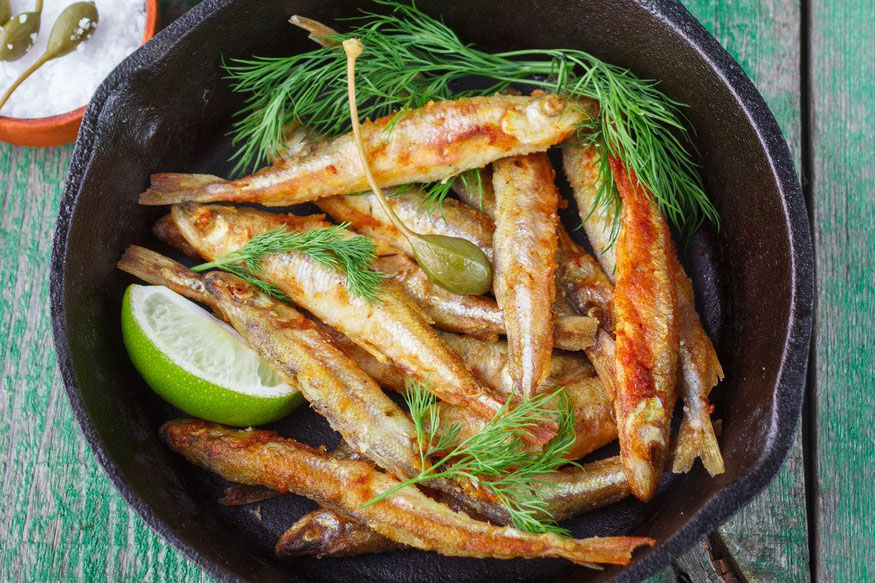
column 814, row 63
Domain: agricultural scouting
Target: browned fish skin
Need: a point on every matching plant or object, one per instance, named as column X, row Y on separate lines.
column 332, row 382
column 699, row 371
column 156, row 269
column 328, row 533
column 432, row 143
column 581, row 166
column 577, row 490
column 165, row 231
column 365, row 215
column 475, row 315
column 645, row 303
column 698, row 367
column 591, row 402
column 525, row 244
column 407, row 517
column 394, row 329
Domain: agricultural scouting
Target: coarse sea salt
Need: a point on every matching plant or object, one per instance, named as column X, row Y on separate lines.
column 68, row 83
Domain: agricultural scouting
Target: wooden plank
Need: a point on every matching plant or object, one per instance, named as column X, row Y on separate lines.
column 61, row 519
column 767, row 540
column 843, row 187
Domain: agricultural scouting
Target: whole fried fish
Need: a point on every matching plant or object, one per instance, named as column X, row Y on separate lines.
column 526, row 222
column 327, row 533
column 392, row 329
column 406, row 517
column 427, row 144
column 645, row 304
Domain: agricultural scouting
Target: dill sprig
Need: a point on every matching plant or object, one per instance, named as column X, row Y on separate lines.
column 414, row 58
column 496, row 456
column 332, row 246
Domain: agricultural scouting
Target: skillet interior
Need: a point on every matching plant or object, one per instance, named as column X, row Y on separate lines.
column 167, row 109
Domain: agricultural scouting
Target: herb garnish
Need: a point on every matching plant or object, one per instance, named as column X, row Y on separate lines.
column 415, row 58
column 331, row 246
column 496, row 456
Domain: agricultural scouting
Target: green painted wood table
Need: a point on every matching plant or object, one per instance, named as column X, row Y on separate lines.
column 813, row 61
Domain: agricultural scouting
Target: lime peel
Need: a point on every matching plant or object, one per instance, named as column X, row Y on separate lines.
column 198, row 363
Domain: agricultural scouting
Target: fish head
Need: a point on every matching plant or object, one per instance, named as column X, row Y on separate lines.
column 547, row 116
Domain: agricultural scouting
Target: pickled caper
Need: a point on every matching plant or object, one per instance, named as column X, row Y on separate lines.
column 74, row 25
column 5, row 12
column 18, row 35
column 455, row 264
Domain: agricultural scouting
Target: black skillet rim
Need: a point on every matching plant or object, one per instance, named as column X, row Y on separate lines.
column 791, row 376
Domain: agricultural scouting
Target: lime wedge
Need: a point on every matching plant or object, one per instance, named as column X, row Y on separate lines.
column 198, row 363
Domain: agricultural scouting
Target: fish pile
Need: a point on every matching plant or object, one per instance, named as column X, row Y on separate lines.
column 618, row 331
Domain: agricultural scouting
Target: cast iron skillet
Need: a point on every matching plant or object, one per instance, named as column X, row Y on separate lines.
column 166, row 108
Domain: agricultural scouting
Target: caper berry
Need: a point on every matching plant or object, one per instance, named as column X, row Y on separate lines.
column 17, row 35
column 75, row 24
column 455, row 264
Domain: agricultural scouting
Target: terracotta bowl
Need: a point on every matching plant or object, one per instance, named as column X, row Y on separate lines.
column 57, row 130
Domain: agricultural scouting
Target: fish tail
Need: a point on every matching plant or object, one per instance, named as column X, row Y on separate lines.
column 697, row 442
column 174, row 188
column 615, row 550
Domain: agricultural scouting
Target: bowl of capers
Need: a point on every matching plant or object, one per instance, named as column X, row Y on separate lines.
column 48, row 73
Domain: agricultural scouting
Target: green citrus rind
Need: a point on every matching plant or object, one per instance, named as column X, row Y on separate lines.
column 194, row 395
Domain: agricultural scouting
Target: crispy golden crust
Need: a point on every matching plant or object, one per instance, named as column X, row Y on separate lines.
column 597, row 484
column 329, row 379
column 581, row 166
column 699, row 372
column 645, row 303
column 455, row 219
column 432, row 143
column 393, row 329
column 525, row 244
column 328, row 533
column 406, row 517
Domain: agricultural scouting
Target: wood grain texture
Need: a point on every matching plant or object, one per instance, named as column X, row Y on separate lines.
column 769, row 538
column 843, row 187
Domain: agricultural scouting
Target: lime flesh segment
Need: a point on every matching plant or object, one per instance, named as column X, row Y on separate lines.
column 198, row 363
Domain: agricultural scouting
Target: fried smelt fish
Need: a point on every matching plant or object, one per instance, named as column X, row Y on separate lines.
column 328, row 533
column 581, row 166
column 698, row 372
column 244, row 494
column 427, row 144
column 645, row 304
column 406, row 517
column 477, row 192
column 324, row 532
column 454, row 219
column 582, row 282
column 525, row 242
column 393, row 328
column 334, row 385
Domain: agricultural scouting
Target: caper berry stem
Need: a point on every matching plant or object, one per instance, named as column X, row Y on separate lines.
column 27, row 73
column 353, row 48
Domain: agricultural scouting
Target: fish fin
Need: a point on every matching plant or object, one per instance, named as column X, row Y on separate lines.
column 697, row 442
column 173, row 188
